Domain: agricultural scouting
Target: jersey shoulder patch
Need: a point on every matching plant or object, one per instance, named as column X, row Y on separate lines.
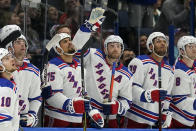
column 124, row 70
column 58, row 62
column 6, row 83
column 30, row 67
column 180, row 65
column 146, row 59
column 99, row 53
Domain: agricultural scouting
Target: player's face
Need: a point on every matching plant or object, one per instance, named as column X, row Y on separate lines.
column 19, row 47
column 67, row 45
column 114, row 50
column 160, row 46
column 191, row 51
column 9, row 63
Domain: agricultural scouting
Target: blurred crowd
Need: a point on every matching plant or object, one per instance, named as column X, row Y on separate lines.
column 133, row 20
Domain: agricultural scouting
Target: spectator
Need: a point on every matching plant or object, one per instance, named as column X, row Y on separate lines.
column 141, row 13
column 156, row 11
column 127, row 56
column 143, row 47
column 74, row 15
column 174, row 12
column 8, row 18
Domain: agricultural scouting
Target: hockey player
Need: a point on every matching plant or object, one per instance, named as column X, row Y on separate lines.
column 98, row 66
column 146, row 93
column 9, row 118
column 27, row 77
column 183, row 92
column 64, row 103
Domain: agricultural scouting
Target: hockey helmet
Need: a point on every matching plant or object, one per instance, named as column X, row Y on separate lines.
column 151, row 38
column 185, row 40
column 3, row 53
column 113, row 38
column 10, row 33
column 57, row 38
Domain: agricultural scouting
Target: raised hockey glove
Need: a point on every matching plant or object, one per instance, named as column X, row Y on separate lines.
column 28, row 120
column 166, row 118
column 46, row 92
column 153, row 95
column 96, row 19
column 98, row 121
column 76, row 105
column 113, row 108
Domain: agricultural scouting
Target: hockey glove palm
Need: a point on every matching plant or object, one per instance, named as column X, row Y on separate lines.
column 112, row 108
column 97, row 119
column 96, row 19
column 77, row 105
column 166, row 118
column 153, row 95
column 28, row 120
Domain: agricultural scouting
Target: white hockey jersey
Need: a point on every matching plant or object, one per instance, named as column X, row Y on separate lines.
column 28, row 80
column 9, row 118
column 184, row 93
column 145, row 77
column 98, row 76
column 65, row 80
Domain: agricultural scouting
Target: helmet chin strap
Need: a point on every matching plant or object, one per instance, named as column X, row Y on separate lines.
column 4, row 69
column 62, row 52
column 109, row 59
column 185, row 55
column 68, row 53
column 157, row 54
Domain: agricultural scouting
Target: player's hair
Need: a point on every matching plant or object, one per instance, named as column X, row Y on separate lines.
column 62, row 26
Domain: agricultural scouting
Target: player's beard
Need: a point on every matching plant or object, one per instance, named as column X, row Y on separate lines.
column 11, row 70
column 114, row 55
column 161, row 51
column 71, row 50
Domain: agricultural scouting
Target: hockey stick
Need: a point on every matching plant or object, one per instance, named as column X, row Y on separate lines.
column 21, row 128
column 160, row 82
column 44, row 70
column 83, row 50
column 111, row 89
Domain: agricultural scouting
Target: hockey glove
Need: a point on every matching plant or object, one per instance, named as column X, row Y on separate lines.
column 98, row 121
column 153, row 95
column 114, row 107
column 166, row 118
column 76, row 105
column 95, row 20
column 46, row 92
column 28, row 120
